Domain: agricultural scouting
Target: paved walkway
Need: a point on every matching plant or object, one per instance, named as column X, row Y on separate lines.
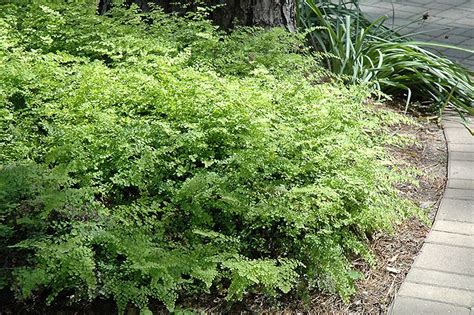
column 449, row 22
column 441, row 281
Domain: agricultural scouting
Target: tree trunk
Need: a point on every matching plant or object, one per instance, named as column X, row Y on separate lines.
column 103, row 6
column 230, row 13
column 257, row 13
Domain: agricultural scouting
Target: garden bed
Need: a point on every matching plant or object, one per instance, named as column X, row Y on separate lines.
column 395, row 253
column 156, row 167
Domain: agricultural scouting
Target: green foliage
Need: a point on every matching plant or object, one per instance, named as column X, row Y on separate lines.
column 249, row 273
column 247, row 49
column 144, row 158
column 395, row 64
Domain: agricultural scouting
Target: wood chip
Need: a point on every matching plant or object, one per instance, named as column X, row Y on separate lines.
column 393, row 258
column 392, row 270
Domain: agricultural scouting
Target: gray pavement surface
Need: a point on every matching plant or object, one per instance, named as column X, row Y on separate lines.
column 447, row 22
column 441, row 280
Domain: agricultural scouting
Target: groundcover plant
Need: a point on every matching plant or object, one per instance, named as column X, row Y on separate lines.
column 144, row 158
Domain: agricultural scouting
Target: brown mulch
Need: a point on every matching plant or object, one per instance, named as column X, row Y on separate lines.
column 395, row 254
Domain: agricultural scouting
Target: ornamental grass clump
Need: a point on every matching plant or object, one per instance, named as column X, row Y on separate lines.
column 368, row 52
column 134, row 169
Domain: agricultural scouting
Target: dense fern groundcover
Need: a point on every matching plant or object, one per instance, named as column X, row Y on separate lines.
column 150, row 158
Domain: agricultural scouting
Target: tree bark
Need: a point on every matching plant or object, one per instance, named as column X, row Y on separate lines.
column 103, row 6
column 265, row 13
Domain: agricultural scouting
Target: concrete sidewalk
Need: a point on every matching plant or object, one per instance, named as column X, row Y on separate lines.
column 447, row 21
column 441, row 281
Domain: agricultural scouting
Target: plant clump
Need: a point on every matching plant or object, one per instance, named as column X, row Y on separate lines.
column 150, row 157
column 367, row 52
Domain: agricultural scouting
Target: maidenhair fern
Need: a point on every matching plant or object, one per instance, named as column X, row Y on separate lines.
column 149, row 162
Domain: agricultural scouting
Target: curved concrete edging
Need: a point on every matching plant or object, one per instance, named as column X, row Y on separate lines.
column 441, row 280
